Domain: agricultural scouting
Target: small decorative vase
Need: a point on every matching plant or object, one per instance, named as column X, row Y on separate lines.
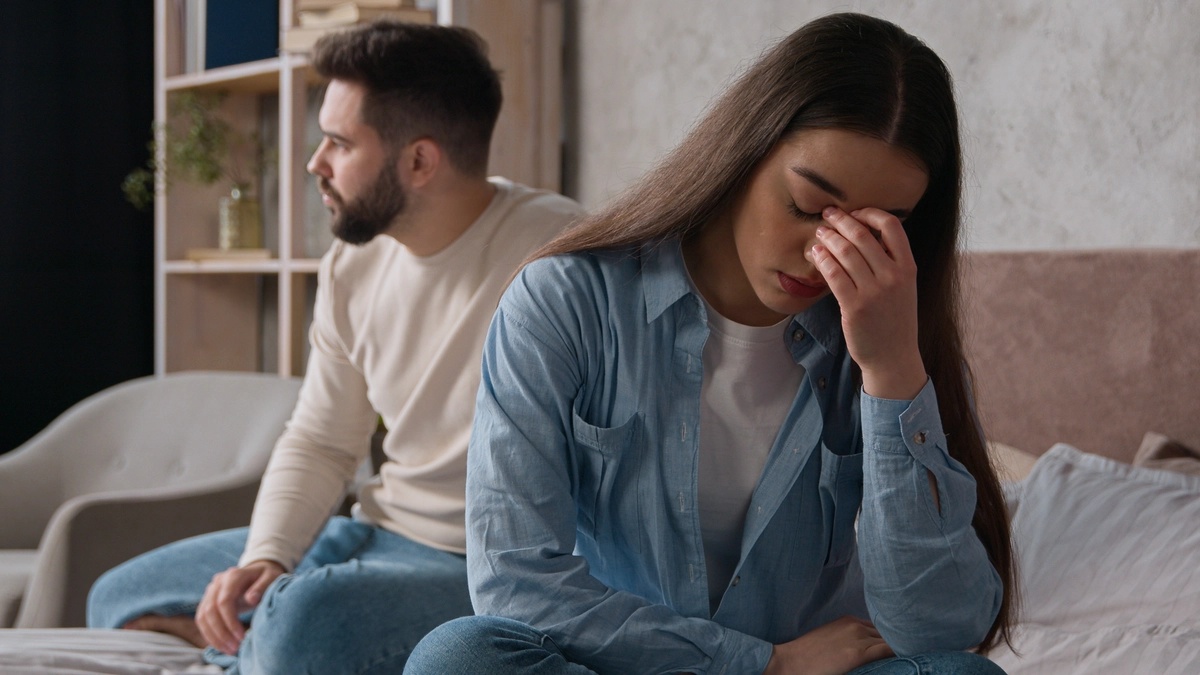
column 240, row 224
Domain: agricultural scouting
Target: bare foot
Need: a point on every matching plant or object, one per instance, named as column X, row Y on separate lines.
column 179, row 626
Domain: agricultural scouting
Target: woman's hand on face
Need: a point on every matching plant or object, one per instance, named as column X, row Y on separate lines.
column 865, row 258
column 833, row 649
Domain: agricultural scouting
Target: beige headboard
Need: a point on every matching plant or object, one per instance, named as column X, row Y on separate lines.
column 1091, row 348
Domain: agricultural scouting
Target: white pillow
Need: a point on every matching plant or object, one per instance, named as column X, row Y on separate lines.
column 1109, row 558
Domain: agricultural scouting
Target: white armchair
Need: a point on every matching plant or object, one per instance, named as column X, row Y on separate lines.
column 131, row 468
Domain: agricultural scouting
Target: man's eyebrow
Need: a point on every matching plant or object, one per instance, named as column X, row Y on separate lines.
column 335, row 136
column 836, row 192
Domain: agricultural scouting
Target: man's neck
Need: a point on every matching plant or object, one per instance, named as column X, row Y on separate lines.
column 437, row 218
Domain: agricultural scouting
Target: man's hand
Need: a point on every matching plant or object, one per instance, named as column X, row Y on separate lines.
column 230, row 593
column 833, row 649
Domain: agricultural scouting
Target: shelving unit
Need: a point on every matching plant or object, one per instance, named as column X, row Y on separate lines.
column 253, row 315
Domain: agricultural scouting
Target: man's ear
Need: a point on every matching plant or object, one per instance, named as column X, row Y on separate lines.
column 421, row 160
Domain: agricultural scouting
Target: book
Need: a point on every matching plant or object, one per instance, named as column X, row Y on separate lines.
column 350, row 13
column 239, row 31
column 326, row 4
column 228, row 254
column 302, row 38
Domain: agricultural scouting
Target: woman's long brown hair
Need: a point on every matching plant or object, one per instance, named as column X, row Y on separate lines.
column 862, row 74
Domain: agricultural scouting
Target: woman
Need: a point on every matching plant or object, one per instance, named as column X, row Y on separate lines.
column 690, row 398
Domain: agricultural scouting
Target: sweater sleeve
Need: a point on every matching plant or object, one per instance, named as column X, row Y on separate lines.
column 326, row 439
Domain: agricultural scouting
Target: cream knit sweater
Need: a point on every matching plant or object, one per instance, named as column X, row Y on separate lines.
column 400, row 336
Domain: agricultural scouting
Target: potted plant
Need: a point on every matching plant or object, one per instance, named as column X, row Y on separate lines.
column 197, row 144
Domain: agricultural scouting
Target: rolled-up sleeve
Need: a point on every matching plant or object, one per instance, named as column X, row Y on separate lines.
column 928, row 581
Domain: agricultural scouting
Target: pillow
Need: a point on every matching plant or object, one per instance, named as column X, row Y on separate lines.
column 1159, row 452
column 1107, row 556
column 1011, row 464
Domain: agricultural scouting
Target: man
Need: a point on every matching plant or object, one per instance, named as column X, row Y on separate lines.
column 397, row 333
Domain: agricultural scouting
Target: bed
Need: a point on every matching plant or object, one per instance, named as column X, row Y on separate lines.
column 1088, row 362
column 1087, row 369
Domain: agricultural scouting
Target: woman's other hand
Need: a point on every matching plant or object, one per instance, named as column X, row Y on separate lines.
column 833, row 649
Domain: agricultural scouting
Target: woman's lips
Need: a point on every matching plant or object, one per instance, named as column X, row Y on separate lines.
column 800, row 288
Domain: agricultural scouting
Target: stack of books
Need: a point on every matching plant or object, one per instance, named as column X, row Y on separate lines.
column 315, row 18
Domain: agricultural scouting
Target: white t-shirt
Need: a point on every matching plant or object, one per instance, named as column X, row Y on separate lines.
column 750, row 381
column 399, row 336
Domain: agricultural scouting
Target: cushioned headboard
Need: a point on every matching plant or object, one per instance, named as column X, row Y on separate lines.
column 1091, row 348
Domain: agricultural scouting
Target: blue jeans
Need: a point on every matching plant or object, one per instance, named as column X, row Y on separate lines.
column 497, row 646
column 358, row 602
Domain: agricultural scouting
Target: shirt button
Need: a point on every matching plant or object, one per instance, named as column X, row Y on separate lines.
column 797, row 335
column 736, row 580
column 919, row 437
column 821, row 382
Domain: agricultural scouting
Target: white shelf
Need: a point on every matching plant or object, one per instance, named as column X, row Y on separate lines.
column 222, row 266
column 255, row 77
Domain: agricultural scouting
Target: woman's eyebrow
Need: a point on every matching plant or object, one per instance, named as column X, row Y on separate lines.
column 820, row 181
column 834, row 191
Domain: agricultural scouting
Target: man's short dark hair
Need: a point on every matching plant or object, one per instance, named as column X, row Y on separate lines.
column 422, row 81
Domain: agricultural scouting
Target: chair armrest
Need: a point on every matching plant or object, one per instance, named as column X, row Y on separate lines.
column 91, row 534
column 29, row 494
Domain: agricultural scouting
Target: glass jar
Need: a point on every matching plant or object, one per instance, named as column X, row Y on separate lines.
column 240, row 221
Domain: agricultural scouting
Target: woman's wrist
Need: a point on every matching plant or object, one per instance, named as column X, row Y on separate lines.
column 899, row 384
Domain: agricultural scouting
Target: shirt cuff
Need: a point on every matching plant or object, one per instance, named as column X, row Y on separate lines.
column 740, row 653
column 913, row 427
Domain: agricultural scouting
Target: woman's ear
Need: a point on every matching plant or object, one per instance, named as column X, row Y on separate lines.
column 421, row 161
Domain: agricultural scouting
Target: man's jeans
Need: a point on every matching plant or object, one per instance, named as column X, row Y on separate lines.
column 497, row 646
column 358, row 602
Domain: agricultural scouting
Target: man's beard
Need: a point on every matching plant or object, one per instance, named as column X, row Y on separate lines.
column 361, row 220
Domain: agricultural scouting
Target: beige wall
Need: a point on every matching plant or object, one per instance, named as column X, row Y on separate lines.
column 1081, row 118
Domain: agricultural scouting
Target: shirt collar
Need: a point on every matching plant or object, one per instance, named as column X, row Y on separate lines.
column 665, row 282
column 664, row 278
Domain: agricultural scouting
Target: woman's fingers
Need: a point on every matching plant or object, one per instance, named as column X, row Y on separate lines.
column 848, row 254
column 853, row 241
column 890, row 232
column 868, row 246
column 843, row 238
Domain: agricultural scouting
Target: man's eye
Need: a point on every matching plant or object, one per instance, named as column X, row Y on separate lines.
column 802, row 215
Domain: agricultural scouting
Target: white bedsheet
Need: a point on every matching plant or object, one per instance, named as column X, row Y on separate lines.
column 80, row 651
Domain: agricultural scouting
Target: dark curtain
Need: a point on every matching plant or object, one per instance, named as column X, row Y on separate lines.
column 76, row 261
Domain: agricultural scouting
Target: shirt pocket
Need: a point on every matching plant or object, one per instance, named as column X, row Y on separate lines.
column 607, row 463
column 841, row 487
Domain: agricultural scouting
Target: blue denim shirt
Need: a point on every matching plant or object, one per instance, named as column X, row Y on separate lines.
column 582, row 515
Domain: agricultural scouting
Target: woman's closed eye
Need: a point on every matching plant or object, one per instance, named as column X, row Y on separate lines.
column 802, row 215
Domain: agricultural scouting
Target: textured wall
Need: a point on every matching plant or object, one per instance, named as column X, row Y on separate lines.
column 1081, row 118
